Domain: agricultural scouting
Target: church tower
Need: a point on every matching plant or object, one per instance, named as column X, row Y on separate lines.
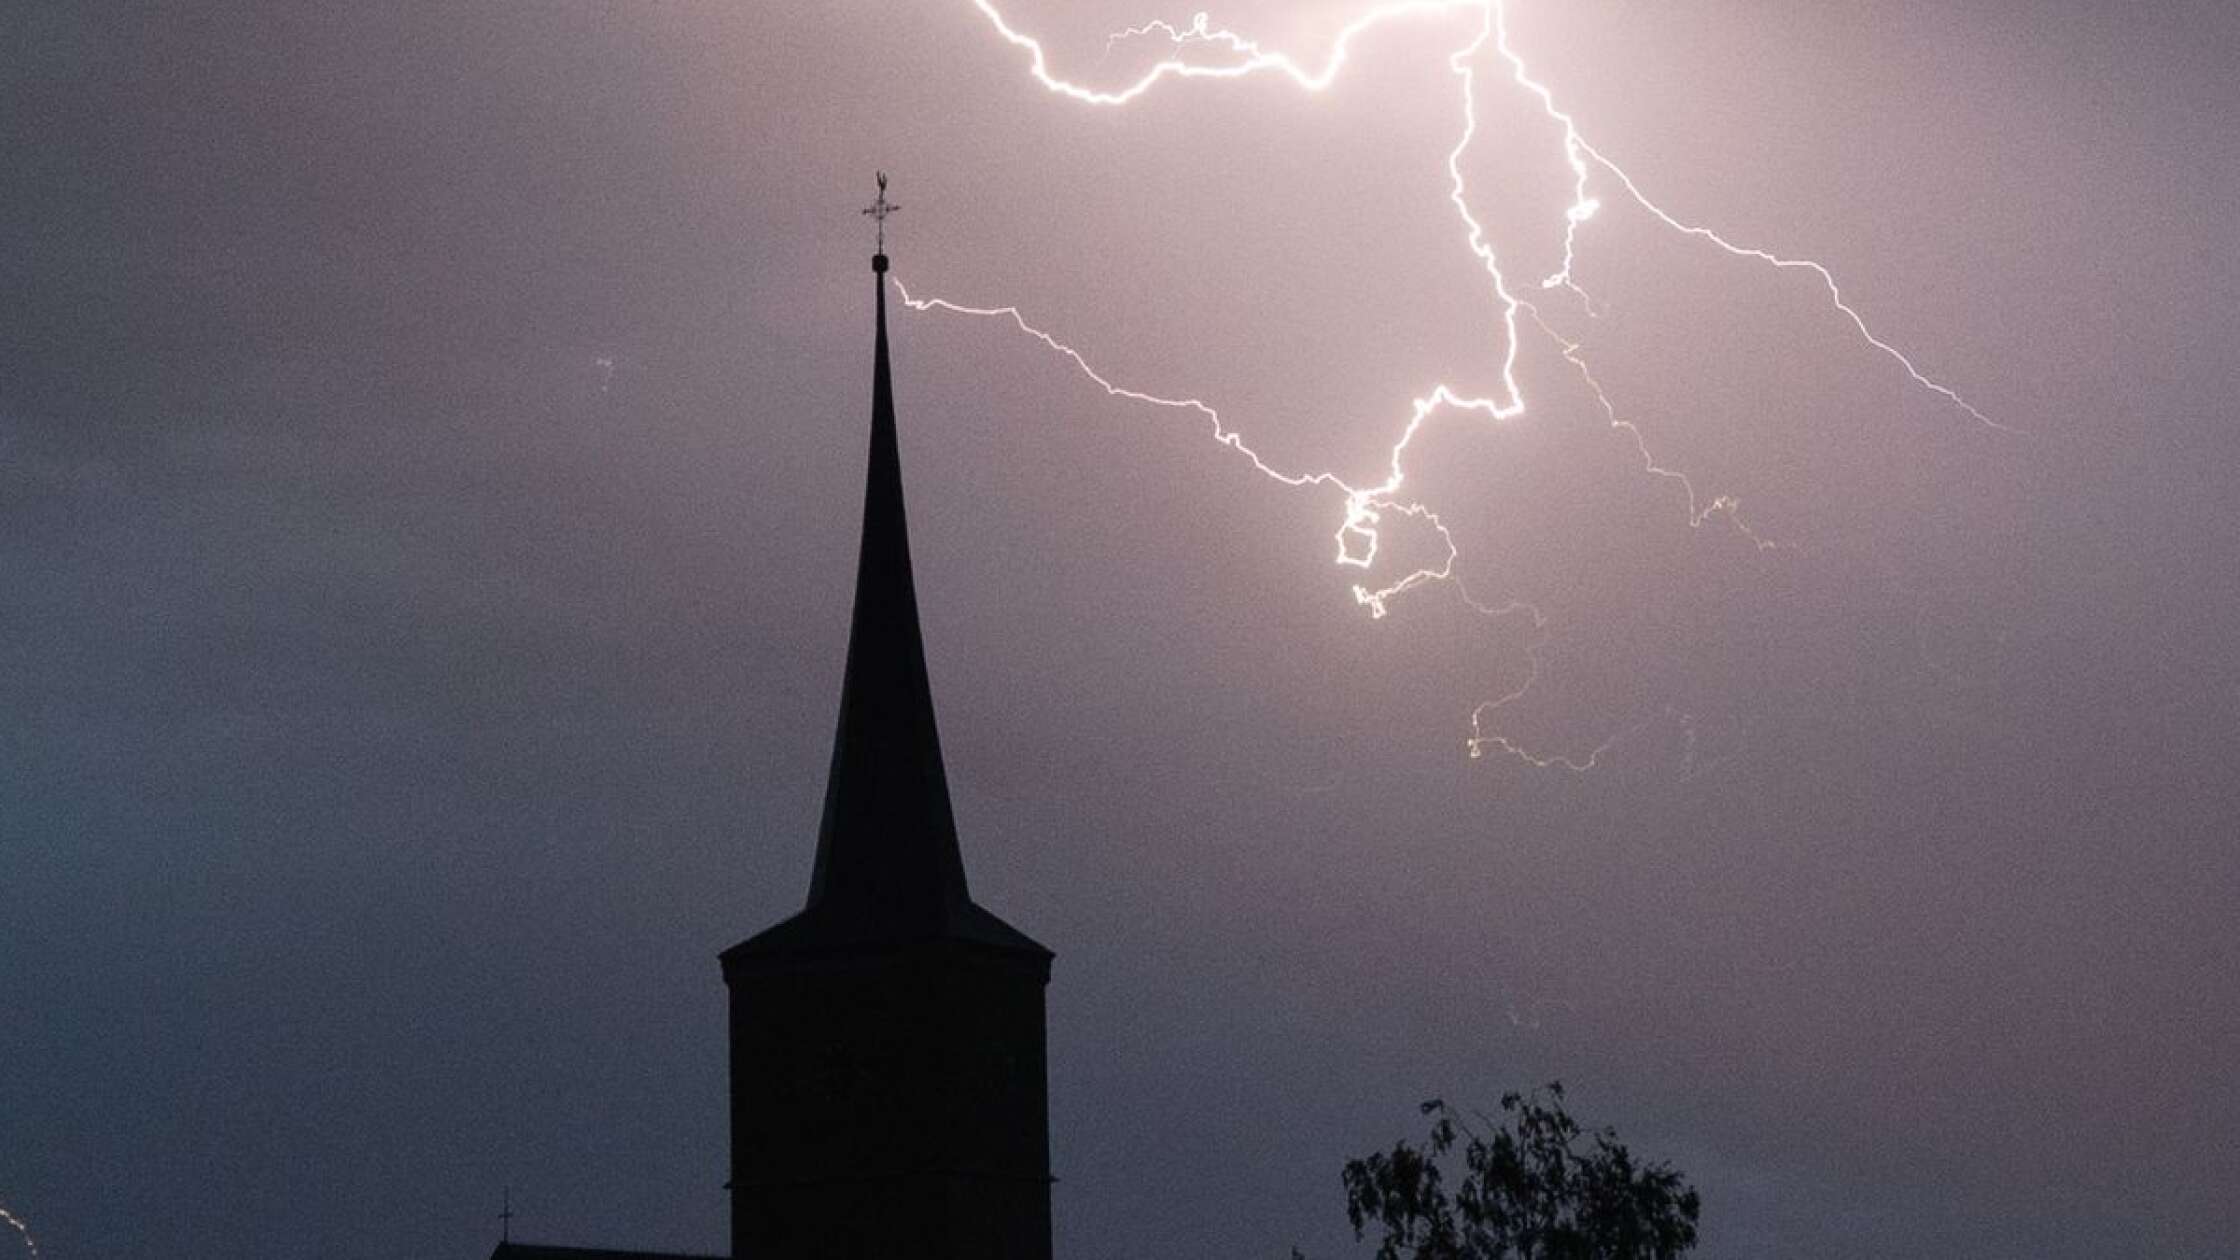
column 888, row 1090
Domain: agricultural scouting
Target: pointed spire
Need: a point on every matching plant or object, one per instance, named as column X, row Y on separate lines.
column 888, row 845
column 888, row 867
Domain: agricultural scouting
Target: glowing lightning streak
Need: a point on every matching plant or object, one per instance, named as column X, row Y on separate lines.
column 1360, row 512
column 1698, row 511
column 1195, row 33
column 1357, row 535
column 1827, row 279
column 1363, row 505
column 1577, row 151
column 1255, row 60
column 9, row 1218
column 1221, row 433
column 1582, row 208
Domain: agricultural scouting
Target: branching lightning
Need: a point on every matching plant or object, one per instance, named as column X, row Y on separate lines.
column 1366, row 506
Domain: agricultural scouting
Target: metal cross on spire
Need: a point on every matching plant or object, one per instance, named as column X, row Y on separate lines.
column 505, row 1218
column 880, row 209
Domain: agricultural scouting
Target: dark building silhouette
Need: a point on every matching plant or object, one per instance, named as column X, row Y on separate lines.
column 888, row 1088
column 889, row 1096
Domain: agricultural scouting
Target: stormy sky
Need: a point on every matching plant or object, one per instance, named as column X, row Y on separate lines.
column 431, row 439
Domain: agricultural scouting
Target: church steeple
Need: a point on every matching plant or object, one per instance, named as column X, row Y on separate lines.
column 888, row 868
column 888, row 844
column 887, row 1042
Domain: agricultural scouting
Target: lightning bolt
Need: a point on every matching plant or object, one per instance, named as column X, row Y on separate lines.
column 10, row 1219
column 1196, row 33
column 1365, row 507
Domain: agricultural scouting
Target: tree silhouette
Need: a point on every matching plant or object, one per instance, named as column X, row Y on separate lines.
column 1528, row 1189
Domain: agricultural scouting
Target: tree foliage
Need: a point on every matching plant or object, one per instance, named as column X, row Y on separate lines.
column 1533, row 1185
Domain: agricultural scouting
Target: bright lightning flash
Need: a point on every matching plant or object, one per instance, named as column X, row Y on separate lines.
column 1366, row 506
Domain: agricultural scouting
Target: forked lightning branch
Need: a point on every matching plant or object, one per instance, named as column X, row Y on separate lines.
column 1202, row 51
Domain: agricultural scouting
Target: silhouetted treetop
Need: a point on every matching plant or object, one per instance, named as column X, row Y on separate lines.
column 1532, row 1185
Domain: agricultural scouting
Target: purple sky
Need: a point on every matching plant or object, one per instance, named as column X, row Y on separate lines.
column 430, row 445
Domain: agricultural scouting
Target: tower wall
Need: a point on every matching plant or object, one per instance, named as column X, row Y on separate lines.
column 890, row 1103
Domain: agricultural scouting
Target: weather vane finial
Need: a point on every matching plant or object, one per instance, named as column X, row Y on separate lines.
column 880, row 209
